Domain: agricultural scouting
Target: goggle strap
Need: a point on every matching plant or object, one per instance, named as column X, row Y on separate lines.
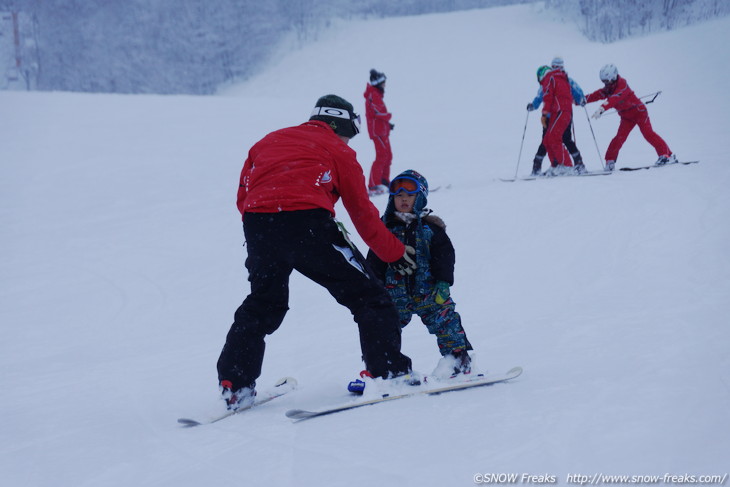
column 331, row 112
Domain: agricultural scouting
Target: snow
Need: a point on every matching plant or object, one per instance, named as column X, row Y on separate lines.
column 123, row 264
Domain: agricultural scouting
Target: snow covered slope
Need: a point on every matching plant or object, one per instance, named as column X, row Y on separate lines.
column 122, row 265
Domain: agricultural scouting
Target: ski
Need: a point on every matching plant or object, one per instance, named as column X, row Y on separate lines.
column 685, row 163
column 425, row 389
column 282, row 386
column 533, row 178
column 433, row 190
column 372, row 193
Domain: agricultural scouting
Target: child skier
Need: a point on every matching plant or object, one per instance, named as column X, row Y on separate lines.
column 632, row 111
column 426, row 291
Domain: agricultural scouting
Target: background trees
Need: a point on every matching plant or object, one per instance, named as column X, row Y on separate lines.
column 189, row 46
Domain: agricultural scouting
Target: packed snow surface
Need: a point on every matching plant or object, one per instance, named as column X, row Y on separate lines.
column 122, row 265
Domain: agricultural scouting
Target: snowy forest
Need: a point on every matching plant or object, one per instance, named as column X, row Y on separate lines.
column 193, row 47
column 611, row 20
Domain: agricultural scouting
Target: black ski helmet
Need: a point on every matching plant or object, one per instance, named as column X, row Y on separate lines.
column 377, row 78
column 338, row 113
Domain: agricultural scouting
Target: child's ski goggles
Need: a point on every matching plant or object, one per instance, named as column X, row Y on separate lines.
column 405, row 183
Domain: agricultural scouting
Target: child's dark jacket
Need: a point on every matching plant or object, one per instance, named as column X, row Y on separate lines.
column 435, row 256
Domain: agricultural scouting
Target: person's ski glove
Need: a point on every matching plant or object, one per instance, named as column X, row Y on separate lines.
column 583, row 101
column 442, row 292
column 598, row 112
column 405, row 265
column 392, row 126
column 530, row 107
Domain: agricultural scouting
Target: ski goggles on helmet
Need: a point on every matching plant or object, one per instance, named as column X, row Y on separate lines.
column 405, row 183
column 354, row 119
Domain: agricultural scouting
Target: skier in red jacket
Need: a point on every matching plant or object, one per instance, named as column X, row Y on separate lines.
column 288, row 188
column 379, row 127
column 632, row 111
column 557, row 114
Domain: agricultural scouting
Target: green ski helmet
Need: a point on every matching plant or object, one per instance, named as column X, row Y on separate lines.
column 541, row 71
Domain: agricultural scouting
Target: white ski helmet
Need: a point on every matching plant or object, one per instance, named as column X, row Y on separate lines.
column 608, row 73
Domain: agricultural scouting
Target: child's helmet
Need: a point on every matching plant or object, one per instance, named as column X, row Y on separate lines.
column 422, row 192
column 608, row 73
column 541, row 72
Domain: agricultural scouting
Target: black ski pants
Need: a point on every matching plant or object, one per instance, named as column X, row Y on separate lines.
column 310, row 242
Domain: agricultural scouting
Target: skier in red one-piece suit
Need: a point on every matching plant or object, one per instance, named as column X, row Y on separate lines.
column 632, row 112
column 379, row 127
column 558, row 108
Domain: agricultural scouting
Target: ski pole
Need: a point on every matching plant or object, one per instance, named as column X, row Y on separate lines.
column 654, row 95
column 594, row 138
column 653, row 98
column 519, row 156
column 572, row 128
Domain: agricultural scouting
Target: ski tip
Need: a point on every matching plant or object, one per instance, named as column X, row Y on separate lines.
column 514, row 372
column 188, row 423
column 299, row 414
column 289, row 381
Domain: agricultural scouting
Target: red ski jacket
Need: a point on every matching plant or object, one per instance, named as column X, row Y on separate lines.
column 619, row 96
column 376, row 113
column 308, row 167
column 557, row 96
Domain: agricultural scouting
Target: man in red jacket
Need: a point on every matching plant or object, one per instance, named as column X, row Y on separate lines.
column 632, row 112
column 557, row 114
column 379, row 127
column 289, row 185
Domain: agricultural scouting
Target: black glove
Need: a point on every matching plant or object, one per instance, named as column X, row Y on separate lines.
column 530, row 107
column 405, row 265
column 392, row 126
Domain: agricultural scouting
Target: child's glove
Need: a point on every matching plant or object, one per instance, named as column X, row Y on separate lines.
column 441, row 293
column 597, row 114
